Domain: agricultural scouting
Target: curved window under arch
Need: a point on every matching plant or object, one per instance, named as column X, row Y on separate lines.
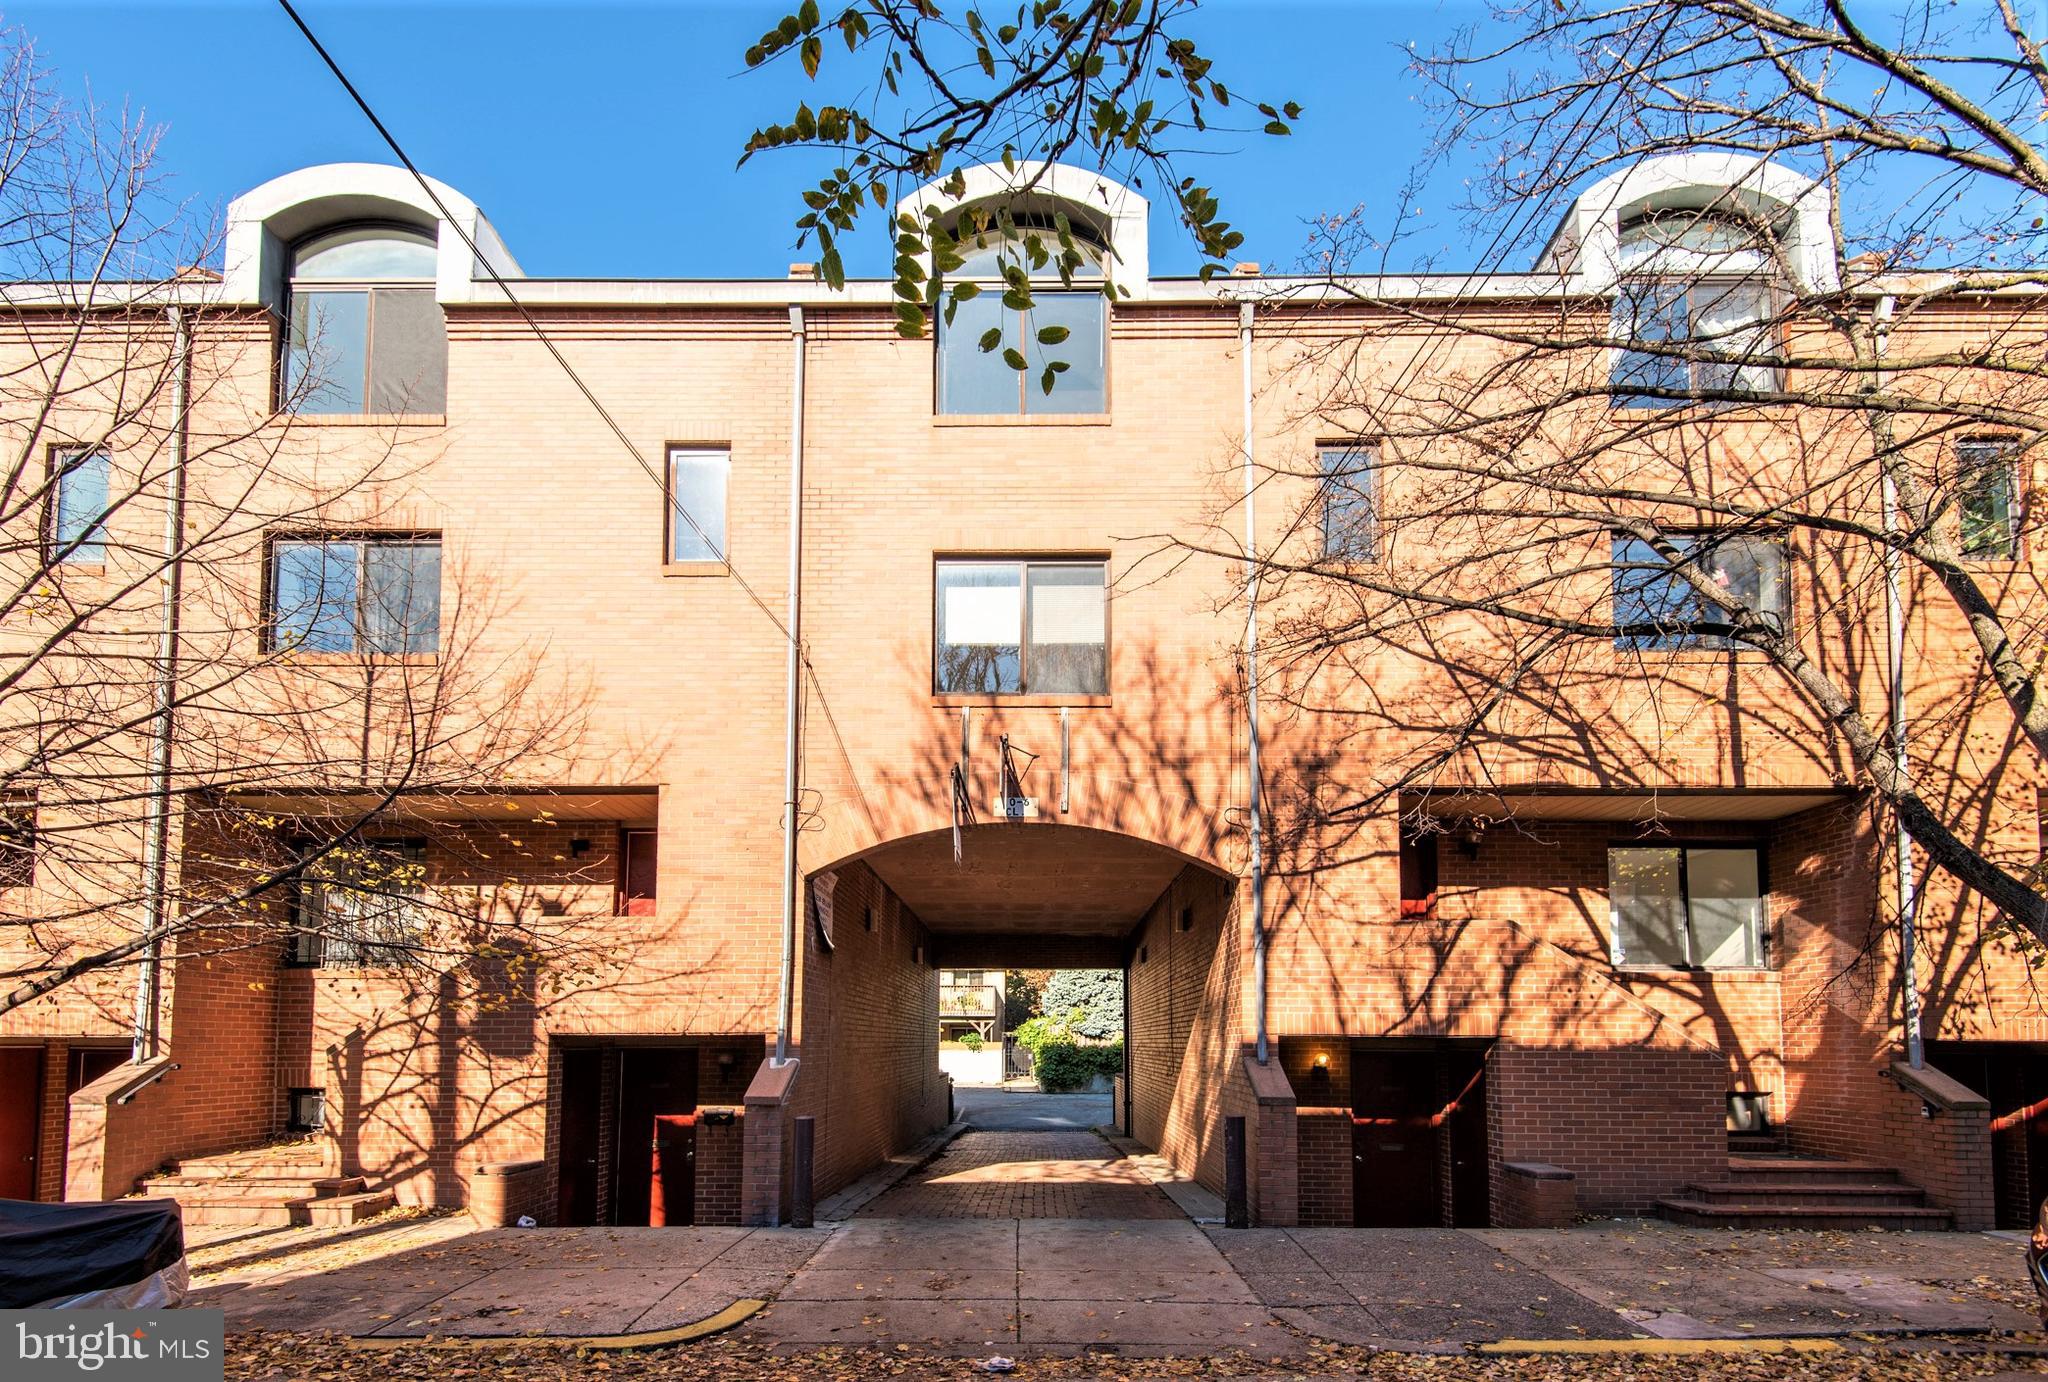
column 365, row 334
column 1057, row 325
column 1697, row 294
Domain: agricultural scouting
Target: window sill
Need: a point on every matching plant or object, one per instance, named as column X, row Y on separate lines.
column 1020, row 419
column 1698, row 972
column 285, row 658
column 696, row 568
column 61, row 569
column 1021, row 700
column 364, row 419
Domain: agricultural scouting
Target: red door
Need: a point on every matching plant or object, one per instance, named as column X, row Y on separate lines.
column 674, row 1189
column 21, row 1110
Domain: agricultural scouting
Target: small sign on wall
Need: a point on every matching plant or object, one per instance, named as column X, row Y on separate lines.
column 1015, row 808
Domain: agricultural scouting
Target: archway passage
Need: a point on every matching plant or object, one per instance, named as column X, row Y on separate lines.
column 1018, row 896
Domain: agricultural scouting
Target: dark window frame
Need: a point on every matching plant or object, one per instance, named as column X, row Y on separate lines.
column 1023, row 565
column 1622, row 390
column 296, row 287
column 2000, row 456
column 365, row 539
column 58, row 464
column 308, row 948
column 1766, row 950
column 1777, row 539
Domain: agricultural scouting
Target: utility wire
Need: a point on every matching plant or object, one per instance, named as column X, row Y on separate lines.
column 478, row 256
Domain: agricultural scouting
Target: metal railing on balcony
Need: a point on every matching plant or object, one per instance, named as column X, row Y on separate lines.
column 967, row 1000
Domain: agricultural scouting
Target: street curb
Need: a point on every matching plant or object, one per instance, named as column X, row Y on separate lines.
column 1660, row 1346
column 725, row 1319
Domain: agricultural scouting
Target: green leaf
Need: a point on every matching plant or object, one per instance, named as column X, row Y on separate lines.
column 1276, row 127
column 1014, row 358
column 812, row 54
column 807, row 14
column 1045, row 380
column 990, row 339
column 1052, row 335
column 963, row 291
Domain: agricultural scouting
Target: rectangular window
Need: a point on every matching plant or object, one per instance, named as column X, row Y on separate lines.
column 368, row 593
column 1350, row 519
column 1656, row 607
column 17, row 844
column 82, row 481
column 1985, row 498
column 977, row 381
column 362, row 904
column 1727, row 320
column 1021, row 627
column 1692, row 907
column 305, row 1110
column 367, row 350
column 697, row 479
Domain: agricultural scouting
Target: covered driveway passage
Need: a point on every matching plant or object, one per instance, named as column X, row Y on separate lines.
column 1018, row 894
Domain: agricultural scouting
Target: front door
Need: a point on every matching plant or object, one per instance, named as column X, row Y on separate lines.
column 21, row 1107
column 582, row 1111
column 674, row 1188
column 654, row 1081
column 1394, row 1139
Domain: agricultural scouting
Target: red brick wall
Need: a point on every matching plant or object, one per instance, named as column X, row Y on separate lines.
column 1632, row 1124
column 870, row 1031
column 1323, row 1145
column 720, row 1151
column 1180, row 1004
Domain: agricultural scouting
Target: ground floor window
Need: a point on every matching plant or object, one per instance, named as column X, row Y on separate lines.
column 361, row 903
column 1686, row 907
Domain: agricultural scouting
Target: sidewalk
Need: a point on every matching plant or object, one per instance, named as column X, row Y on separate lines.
column 1140, row 1286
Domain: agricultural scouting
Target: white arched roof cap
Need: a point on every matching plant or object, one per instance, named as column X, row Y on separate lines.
column 265, row 221
column 1123, row 215
column 1587, row 242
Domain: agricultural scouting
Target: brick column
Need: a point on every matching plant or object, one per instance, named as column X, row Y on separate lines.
column 764, row 1176
column 1273, row 1162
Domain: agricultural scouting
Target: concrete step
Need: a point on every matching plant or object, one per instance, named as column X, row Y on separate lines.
column 1812, row 1170
column 1697, row 1214
column 1875, row 1195
column 282, row 1159
column 340, row 1210
column 1757, row 1144
column 251, row 1189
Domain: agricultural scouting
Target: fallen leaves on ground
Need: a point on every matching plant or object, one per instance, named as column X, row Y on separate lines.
column 279, row 1357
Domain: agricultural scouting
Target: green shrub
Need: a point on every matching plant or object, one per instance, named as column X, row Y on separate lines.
column 1062, row 1065
column 971, row 1040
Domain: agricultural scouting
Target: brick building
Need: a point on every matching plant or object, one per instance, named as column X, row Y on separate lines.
column 1022, row 739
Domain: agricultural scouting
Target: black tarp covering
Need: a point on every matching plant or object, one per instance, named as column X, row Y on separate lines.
column 49, row 1250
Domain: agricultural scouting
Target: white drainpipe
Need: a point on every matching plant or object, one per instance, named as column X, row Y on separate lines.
column 792, row 715
column 156, row 834
column 1895, row 647
column 1251, row 684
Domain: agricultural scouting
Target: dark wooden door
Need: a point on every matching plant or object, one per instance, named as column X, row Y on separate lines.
column 653, row 1081
column 576, row 1183
column 674, row 1182
column 21, row 1116
column 1394, row 1139
column 1464, row 1123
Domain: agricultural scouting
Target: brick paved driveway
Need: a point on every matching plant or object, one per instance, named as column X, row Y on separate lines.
column 1025, row 1175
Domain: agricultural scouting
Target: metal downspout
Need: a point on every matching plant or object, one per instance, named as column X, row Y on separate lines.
column 156, row 836
column 792, row 714
column 1251, row 685
column 1895, row 647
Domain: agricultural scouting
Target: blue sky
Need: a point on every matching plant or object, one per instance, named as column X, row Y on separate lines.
column 601, row 139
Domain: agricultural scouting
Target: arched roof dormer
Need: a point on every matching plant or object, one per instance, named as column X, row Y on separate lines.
column 1101, row 208
column 1588, row 243
column 267, row 221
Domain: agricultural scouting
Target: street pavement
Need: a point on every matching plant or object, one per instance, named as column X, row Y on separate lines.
column 1018, row 1110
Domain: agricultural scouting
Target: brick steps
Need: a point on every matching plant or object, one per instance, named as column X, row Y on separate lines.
column 277, row 1186
column 1781, row 1192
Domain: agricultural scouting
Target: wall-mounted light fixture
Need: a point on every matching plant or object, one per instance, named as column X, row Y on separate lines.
column 1322, row 1061
column 1469, row 836
column 726, row 1061
column 578, row 848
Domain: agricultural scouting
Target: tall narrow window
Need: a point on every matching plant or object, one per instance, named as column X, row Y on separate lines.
column 1656, row 607
column 78, row 521
column 1985, row 490
column 17, row 843
column 370, row 594
column 1017, row 627
column 697, row 479
column 1012, row 338
column 365, row 333
column 1686, row 908
column 1350, row 517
